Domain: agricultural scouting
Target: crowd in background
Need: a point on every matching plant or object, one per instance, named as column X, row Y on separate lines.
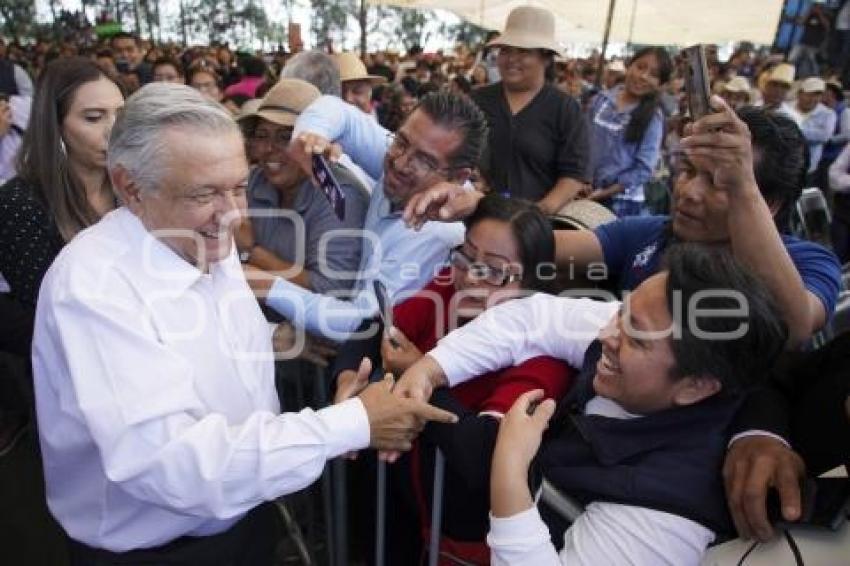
column 605, row 145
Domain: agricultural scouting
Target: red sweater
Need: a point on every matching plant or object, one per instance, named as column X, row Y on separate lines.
column 426, row 317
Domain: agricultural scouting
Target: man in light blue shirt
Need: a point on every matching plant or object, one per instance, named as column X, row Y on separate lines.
column 440, row 141
column 816, row 120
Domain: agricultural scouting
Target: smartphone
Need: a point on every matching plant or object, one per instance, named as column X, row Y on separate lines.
column 697, row 84
column 826, row 503
column 385, row 308
column 329, row 185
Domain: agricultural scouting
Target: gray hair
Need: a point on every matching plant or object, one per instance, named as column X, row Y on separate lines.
column 317, row 68
column 136, row 142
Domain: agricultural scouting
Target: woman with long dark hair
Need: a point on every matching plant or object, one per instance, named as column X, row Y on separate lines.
column 626, row 128
column 62, row 185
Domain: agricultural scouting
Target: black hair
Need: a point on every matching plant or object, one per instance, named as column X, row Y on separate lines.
column 166, row 60
column 703, row 282
column 836, row 91
column 458, row 112
column 462, row 83
column 643, row 113
column 531, row 230
column 124, row 35
column 780, row 162
column 254, row 66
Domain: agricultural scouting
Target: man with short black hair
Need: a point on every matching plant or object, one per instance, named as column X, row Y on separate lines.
column 740, row 177
column 129, row 57
column 441, row 141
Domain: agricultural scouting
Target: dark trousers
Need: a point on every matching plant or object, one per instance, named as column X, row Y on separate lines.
column 250, row 542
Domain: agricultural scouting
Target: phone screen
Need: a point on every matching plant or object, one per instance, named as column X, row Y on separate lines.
column 385, row 307
column 329, row 186
column 697, row 83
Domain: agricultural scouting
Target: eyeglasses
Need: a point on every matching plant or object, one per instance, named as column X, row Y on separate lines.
column 279, row 139
column 420, row 164
column 481, row 271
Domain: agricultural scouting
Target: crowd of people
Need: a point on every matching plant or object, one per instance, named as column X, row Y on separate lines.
column 540, row 278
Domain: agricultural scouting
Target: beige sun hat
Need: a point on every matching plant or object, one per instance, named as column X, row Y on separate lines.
column 782, row 73
column 249, row 109
column 813, row 84
column 583, row 214
column 284, row 102
column 529, row 27
column 351, row 68
column 738, row 84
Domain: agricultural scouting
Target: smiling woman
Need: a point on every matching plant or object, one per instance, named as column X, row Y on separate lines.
column 63, row 186
column 61, row 189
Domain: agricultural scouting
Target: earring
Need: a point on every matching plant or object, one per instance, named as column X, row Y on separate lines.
column 62, row 149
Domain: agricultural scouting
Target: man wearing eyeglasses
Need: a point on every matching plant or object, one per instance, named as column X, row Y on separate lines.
column 440, row 142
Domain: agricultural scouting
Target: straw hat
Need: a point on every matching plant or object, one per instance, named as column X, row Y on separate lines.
column 351, row 68
column 782, row 73
column 738, row 84
column 583, row 215
column 249, row 108
column 284, row 102
column 529, row 27
column 813, row 84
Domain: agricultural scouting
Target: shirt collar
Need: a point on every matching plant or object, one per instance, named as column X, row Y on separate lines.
column 263, row 191
column 159, row 264
column 382, row 204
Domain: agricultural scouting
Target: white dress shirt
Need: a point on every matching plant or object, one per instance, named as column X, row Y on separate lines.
column 154, row 382
column 606, row 533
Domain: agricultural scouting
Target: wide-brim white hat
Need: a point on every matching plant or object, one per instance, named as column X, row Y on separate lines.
column 529, row 27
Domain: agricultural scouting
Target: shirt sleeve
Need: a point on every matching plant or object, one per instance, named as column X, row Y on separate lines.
column 839, row 171
column 24, row 82
column 573, row 142
column 646, row 157
column 322, row 315
column 608, row 533
column 171, row 450
column 333, row 249
column 521, row 539
column 616, row 239
column 842, row 136
column 820, row 128
column 361, row 137
column 513, row 332
column 820, row 271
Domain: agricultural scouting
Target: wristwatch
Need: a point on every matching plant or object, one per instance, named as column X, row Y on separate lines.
column 245, row 256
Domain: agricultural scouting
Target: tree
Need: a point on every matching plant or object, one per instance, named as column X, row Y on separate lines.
column 17, row 17
column 330, row 18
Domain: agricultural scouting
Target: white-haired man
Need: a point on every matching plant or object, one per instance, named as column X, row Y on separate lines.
column 158, row 418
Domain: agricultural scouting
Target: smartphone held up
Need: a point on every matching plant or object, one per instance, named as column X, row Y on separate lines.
column 697, row 83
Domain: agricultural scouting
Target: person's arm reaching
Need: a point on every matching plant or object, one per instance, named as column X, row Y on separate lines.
column 506, row 335
column 720, row 145
column 361, row 137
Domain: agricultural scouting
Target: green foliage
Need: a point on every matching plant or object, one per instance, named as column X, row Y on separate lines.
column 17, row 17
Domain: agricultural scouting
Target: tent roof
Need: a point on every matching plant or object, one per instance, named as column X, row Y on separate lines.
column 660, row 22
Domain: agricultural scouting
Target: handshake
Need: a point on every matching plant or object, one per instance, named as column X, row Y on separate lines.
column 397, row 411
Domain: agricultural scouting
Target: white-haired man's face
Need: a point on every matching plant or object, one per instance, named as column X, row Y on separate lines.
column 201, row 196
